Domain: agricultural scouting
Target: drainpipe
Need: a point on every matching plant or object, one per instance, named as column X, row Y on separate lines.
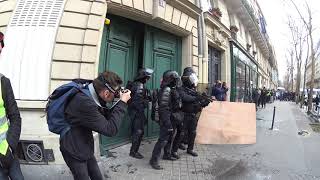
column 201, row 33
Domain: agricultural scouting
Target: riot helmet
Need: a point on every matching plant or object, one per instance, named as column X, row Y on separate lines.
column 144, row 74
column 170, row 78
column 189, row 77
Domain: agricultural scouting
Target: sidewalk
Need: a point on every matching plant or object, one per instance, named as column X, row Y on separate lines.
column 279, row 154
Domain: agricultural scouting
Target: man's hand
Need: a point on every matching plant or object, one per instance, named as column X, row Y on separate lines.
column 125, row 95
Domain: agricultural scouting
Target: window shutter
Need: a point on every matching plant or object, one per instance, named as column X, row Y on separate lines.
column 30, row 39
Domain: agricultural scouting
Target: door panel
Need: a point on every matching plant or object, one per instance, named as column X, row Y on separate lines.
column 162, row 53
column 120, row 56
column 120, row 50
column 214, row 57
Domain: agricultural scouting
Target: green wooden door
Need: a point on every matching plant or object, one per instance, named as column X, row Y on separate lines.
column 162, row 52
column 119, row 53
column 124, row 50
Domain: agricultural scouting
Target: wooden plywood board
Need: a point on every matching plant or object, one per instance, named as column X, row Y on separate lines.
column 227, row 123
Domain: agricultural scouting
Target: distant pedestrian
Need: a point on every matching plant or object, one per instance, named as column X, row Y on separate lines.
column 256, row 96
column 219, row 92
column 226, row 89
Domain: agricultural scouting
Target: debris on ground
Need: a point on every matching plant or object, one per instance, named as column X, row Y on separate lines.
column 106, row 174
column 111, row 154
column 115, row 168
column 303, row 133
column 256, row 154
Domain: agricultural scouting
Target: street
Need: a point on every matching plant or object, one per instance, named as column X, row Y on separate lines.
column 279, row 154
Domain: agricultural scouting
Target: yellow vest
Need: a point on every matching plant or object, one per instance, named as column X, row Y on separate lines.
column 4, row 126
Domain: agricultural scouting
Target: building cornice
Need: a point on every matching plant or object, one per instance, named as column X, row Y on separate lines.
column 186, row 7
column 225, row 31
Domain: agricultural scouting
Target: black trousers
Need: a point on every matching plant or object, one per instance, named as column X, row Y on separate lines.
column 14, row 171
column 190, row 127
column 161, row 143
column 179, row 129
column 138, row 120
column 82, row 170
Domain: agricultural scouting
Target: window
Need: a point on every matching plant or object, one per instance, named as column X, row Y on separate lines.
column 240, row 29
column 211, row 3
column 240, row 81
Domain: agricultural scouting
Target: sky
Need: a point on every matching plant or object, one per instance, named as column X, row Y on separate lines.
column 276, row 13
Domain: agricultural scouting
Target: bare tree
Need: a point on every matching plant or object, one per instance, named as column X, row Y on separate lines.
column 288, row 77
column 292, row 70
column 298, row 39
column 305, row 74
column 309, row 26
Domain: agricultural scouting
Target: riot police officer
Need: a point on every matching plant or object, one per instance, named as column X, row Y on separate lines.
column 137, row 105
column 191, row 105
column 171, row 149
column 169, row 82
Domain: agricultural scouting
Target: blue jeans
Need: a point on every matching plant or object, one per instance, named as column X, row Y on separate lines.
column 14, row 171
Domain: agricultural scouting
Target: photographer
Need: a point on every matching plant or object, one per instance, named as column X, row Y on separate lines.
column 86, row 114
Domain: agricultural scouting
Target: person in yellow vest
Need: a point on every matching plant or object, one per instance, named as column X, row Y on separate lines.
column 10, row 129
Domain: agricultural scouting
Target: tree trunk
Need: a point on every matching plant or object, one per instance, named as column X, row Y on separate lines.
column 298, row 82
column 291, row 73
column 312, row 72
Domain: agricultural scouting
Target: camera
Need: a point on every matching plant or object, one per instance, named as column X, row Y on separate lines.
column 122, row 90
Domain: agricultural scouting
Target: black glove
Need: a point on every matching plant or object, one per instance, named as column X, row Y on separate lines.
column 204, row 102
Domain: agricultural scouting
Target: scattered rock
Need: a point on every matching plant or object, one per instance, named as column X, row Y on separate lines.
column 115, row 168
column 111, row 154
column 129, row 165
column 106, row 175
column 256, row 154
column 132, row 171
column 303, row 133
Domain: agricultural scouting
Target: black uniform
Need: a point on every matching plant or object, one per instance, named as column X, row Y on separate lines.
column 171, row 149
column 169, row 82
column 191, row 105
column 137, row 104
column 138, row 119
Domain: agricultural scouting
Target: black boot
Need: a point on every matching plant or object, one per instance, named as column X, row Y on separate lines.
column 175, row 155
column 192, row 153
column 136, row 155
column 168, row 157
column 182, row 147
column 155, row 164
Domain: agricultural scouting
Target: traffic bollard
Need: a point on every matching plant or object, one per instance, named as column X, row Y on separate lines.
column 274, row 113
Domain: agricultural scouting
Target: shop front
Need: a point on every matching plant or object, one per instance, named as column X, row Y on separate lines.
column 244, row 74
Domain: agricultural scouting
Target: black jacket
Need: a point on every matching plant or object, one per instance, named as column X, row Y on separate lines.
column 85, row 116
column 12, row 111
column 165, row 107
column 139, row 100
column 190, row 103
